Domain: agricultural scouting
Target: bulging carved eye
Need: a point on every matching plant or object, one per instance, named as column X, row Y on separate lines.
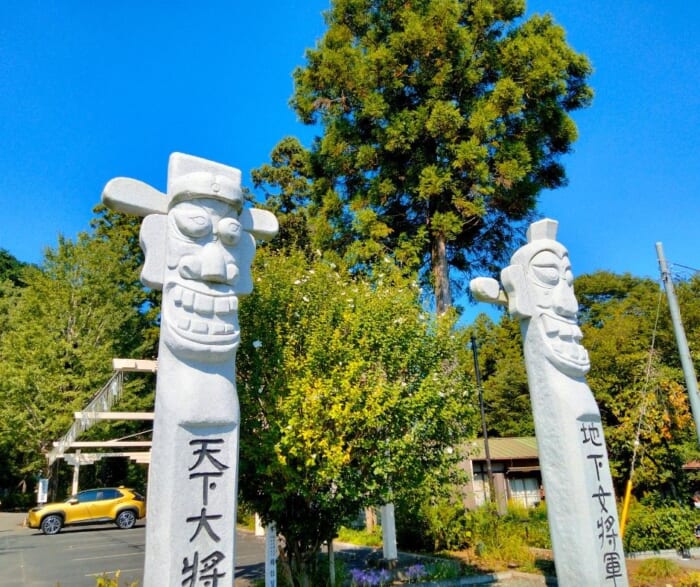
column 230, row 231
column 192, row 221
column 546, row 275
column 569, row 276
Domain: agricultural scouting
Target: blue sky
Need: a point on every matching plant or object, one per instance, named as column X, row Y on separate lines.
column 94, row 90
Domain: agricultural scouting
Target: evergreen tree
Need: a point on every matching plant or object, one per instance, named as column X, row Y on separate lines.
column 83, row 307
column 506, row 391
column 442, row 121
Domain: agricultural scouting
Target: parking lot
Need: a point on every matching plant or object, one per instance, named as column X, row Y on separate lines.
column 77, row 556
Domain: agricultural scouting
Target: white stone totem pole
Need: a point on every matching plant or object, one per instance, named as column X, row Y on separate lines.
column 199, row 243
column 581, row 504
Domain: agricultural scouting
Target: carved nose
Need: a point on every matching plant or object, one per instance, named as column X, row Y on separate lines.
column 565, row 303
column 213, row 266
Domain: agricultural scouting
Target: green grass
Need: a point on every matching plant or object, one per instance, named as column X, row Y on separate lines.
column 360, row 537
column 657, row 568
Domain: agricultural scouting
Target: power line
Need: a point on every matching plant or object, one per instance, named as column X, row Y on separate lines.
column 686, row 273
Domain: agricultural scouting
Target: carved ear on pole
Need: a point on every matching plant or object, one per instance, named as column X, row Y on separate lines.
column 519, row 302
column 131, row 196
column 487, row 289
column 153, row 236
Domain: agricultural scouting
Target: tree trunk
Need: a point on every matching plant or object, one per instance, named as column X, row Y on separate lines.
column 331, row 563
column 441, row 274
column 370, row 519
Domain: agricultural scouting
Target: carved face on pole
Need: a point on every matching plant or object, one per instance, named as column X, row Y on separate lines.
column 539, row 285
column 199, row 244
column 199, row 312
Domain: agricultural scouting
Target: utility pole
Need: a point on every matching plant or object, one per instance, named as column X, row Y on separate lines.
column 487, row 454
column 691, row 381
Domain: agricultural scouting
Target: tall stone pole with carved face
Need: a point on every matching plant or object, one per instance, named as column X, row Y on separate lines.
column 581, row 504
column 199, row 243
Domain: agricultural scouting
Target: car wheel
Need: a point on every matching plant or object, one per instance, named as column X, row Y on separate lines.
column 126, row 519
column 51, row 524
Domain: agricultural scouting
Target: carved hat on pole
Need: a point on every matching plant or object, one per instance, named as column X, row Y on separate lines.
column 191, row 177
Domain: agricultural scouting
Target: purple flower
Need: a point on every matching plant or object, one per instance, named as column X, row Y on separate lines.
column 416, row 572
column 369, row 578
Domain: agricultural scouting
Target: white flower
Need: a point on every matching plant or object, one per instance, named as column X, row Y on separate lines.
column 257, row 344
column 305, row 298
column 297, row 282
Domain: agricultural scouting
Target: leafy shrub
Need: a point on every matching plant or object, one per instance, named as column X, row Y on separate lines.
column 105, row 581
column 435, row 525
column 443, row 570
column 322, row 571
column 659, row 527
column 444, row 524
column 245, row 516
column 18, row 501
column 530, row 524
column 447, row 524
column 689, row 580
column 527, row 526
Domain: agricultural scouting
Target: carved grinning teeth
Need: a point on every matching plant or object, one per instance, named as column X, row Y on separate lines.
column 188, row 299
column 202, row 314
column 177, row 296
column 203, row 304
column 199, row 327
column 222, row 305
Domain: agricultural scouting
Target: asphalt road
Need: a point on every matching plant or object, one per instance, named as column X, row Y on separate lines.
column 77, row 556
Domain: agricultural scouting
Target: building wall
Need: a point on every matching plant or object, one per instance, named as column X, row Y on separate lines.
column 519, row 487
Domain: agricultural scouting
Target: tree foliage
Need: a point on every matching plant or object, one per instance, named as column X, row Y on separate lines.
column 442, row 121
column 80, row 309
column 350, row 394
column 635, row 376
column 11, row 281
column 505, row 386
column 10, row 268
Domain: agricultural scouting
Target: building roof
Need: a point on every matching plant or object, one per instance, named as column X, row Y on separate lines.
column 690, row 466
column 524, row 447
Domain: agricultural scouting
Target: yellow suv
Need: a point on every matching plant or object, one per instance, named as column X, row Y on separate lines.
column 117, row 505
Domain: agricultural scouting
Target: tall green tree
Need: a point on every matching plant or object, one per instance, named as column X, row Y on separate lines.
column 350, row 395
column 636, row 378
column 11, row 281
column 442, row 121
column 80, row 309
column 506, row 392
column 10, row 268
